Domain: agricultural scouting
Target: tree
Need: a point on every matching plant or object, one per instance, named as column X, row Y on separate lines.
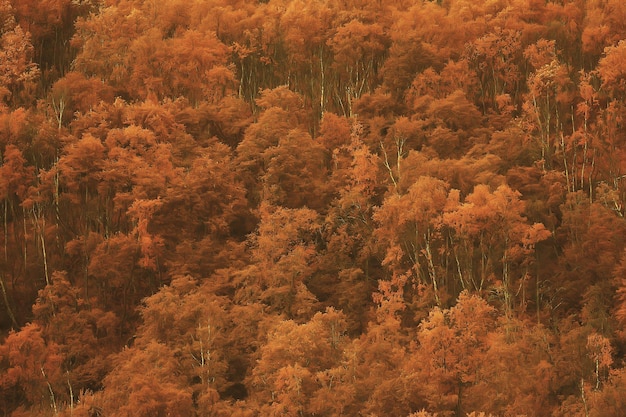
column 518, row 374
column 335, row 131
column 80, row 167
column 204, row 210
column 84, row 334
column 496, row 59
column 495, row 243
column 15, row 178
column 294, row 359
column 582, row 222
column 604, row 28
column 610, row 400
column 417, row 43
column 103, row 54
column 197, row 64
column 76, row 93
column 283, row 112
column 546, row 107
column 410, row 226
column 51, row 24
column 114, row 274
column 295, row 173
column 349, row 260
column 32, row 375
column 145, row 382
column 455, row 75
column 305, row 28
column 18, row 72
column 453, row 346
column 283, row 255
column 358, row 51
column 619, row 280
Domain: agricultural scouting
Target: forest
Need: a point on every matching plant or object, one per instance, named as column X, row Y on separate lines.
column 246, row 208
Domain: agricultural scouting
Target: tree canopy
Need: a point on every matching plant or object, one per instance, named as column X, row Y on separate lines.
column 324, row 208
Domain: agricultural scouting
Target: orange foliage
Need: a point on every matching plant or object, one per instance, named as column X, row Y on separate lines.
column 333, row 208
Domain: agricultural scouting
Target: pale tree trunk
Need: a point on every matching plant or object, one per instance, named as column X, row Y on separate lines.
column 39, row 223
column 431, row 267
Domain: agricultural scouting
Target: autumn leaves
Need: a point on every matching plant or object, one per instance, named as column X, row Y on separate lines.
column 332, row 208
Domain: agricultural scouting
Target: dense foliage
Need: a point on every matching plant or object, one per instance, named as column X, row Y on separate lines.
column 298, row 208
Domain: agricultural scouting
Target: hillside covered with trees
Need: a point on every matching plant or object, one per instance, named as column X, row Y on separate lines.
column 312, row 208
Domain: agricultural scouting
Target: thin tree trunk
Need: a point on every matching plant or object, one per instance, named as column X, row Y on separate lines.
column 6, row 302
column 41, row 230
column 6, row 231
column 431, row 267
